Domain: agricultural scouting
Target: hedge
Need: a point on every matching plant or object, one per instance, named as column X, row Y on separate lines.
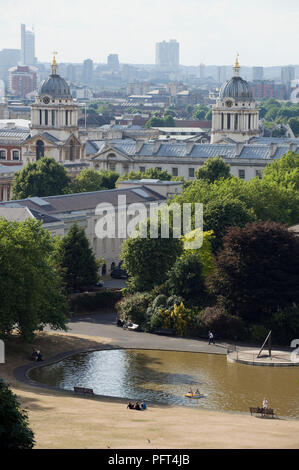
column 103, row 299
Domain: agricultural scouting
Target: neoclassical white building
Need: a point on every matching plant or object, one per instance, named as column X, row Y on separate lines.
column 235, row 115
column 54, row 128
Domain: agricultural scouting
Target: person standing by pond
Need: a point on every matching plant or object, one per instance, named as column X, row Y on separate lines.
column 211, row 338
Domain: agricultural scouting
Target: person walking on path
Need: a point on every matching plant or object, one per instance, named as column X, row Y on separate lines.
column 211, row 338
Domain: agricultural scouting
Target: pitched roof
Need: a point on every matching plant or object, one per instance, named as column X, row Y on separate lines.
column 84, row 201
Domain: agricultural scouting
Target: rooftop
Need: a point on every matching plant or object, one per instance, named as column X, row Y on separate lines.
column 84, row 201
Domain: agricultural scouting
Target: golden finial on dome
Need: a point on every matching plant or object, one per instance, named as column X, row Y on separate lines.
column 237, row 65
column 54, row 64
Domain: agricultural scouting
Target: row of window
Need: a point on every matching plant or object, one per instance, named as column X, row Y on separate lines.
column 257, row 173
column 15, row 154
column 191, row 171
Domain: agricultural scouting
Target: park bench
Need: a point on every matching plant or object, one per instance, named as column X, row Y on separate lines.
column 262, row 411
column 83, row 390
column 164, row 331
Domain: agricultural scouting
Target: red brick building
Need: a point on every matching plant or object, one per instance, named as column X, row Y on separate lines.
column 22, row 80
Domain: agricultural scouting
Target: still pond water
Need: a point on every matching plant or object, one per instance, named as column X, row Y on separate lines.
column 165, row 376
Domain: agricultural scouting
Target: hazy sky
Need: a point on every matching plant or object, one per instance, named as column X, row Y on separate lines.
column 264, row 32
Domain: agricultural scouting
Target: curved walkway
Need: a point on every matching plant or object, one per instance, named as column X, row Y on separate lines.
column 104, row 325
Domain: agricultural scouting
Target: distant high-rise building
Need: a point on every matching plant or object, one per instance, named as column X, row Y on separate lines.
column 27, row 46
column 168, row 54
column 8, row 58
column 287, row 74
column 22, row 80
column 87, row 72
column 257, row 73
column 202, row 71
column 71, row 73
column 113, row 62
column 221, row 73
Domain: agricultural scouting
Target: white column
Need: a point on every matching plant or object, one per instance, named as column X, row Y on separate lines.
column 225, row 121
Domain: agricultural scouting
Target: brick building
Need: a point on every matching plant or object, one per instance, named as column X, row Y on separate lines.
column 22, row 80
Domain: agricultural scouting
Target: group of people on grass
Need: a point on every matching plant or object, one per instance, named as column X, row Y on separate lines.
column 36, row 355
column 137, row 405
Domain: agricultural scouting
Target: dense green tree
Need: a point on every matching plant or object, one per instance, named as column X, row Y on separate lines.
column 185, row 279
column 284, row 171
column 14, row 426
column 189, row 109
column 156, row 121
column 257, row 272
column 147, row 260
column 150, row 173
column 294, row 124
column 200, row 112
column 45, row 177
column 109, row 178
column 213, row 169
column 265, row 199
column 30, row 287
column 219, row 214
column 91, row 180
column 76, row 261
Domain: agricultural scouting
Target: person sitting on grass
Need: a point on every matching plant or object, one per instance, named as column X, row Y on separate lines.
column 130, row 405
column 39, row 356
column 137, row 406
column 143, row 405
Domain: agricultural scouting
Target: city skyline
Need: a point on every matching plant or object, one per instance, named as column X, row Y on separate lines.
column 208, row 33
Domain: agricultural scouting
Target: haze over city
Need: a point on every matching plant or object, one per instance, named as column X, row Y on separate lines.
column 211, row 32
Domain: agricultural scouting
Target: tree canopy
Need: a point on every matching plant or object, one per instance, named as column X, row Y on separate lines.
column 45, row 177
column 76, row 261
column 284, row 171
column 156, row 121
column 30, row 287
column 257, row 271
column 149, row 173
column 185, row 278
column 213, row 169
column 14, row 430
column 91, row 180
column 147, row 260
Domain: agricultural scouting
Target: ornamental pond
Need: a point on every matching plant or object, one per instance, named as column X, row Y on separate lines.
column 163, row 377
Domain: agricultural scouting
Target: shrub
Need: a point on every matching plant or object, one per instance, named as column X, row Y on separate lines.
column 179, row 318
column 222, row 324
column 103, row 299
column 14, row 430
column 258, row 333
column 134, row 308
column 285, row 325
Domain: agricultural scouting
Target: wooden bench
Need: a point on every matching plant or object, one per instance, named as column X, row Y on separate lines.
column 164, row 331
column 262, row 411
column 83, row 390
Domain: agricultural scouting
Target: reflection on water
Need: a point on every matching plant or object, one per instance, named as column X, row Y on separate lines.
column 164, row 377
